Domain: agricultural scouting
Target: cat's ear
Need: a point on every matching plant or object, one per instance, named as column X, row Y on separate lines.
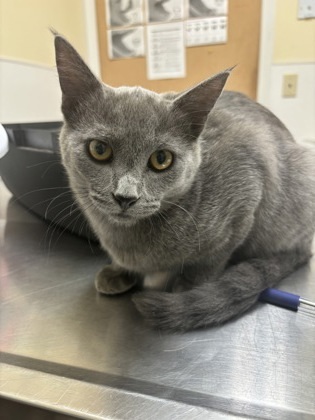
column 197, row 102
column 76, row 79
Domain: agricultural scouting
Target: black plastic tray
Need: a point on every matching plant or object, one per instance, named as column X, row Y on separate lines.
column 33, row 172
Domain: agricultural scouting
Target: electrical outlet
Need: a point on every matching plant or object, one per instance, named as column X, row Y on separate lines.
column 289, row 87
column 306, row 9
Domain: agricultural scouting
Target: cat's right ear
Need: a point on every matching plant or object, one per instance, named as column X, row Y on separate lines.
column 76, row 80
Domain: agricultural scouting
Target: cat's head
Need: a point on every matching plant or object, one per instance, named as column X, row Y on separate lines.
column 129, row 151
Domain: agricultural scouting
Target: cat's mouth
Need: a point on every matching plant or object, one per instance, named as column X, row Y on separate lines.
column 130, row 217
column 127, row 216
column 122, row 217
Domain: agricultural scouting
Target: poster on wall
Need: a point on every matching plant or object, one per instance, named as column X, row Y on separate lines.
column 169, row 27
column 126, row 43
column 166, row 51
column 164, row 10
column 206, row 31
column 124, row 12
column 207, row 8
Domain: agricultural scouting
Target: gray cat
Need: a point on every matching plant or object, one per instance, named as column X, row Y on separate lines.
column 204, row 189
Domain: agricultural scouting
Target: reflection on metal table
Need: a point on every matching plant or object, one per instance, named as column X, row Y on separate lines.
column 68, row 350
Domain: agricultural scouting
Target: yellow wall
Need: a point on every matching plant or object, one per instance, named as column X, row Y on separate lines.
column 24, row 28
column 294, row 39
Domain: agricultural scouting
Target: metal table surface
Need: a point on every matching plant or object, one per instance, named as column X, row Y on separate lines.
column 65, row 348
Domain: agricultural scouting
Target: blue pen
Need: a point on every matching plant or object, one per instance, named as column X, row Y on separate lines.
column 284, row 299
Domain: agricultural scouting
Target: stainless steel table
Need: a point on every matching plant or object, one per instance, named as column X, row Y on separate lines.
column 66, row 349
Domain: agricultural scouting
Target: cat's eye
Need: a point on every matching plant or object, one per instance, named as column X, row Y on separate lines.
column 160, row 160
column 100, row 151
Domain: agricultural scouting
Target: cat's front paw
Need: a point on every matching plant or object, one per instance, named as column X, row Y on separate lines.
column 112, row 281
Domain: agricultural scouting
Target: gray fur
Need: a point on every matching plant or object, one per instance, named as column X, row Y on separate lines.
column 233, row 215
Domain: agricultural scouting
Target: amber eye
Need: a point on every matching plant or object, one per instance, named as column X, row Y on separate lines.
column 100, row 151
column 160, row 160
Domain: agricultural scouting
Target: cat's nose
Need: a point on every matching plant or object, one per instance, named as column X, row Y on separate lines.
column 125, row 201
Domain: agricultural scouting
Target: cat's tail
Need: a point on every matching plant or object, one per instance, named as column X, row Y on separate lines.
column 211, row 303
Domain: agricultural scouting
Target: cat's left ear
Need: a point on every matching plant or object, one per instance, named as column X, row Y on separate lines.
column 197, row 102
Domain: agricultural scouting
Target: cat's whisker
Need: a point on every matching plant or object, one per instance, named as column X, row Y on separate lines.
column 68, row 225
column 54, row 222
column 70, row 214
column 45, row 201
column 190, row 216
column 164, row 244
column 42, row 163
column 38, row 190
column 75, row 223
column 49, row 167
column 62, row 204
column 58, row 196
column 168, row 223
column 51, row 202
column 151, row 237
column 104, row 190
column 89, row 240
column 63, row 210
column 83, row 224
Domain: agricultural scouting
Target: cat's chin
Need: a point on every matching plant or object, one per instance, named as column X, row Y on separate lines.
column 122, row 219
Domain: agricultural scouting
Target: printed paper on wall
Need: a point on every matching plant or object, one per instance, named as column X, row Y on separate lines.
column 124, row 12
column 206, row 31
column 126, row 43
column 166, row 51
column 164, row 10
column 207, row 8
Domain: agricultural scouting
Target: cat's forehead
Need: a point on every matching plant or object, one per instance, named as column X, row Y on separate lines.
column 133, row 100
column 135, row 108
column 137, row 93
